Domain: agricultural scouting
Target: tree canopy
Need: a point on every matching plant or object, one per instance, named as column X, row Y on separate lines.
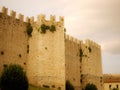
column 69, row 86
column 13, row 78
column 90, row 87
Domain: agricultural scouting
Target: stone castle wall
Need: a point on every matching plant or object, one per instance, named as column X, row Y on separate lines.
column 91, row 64
column 42, row 55
column 72, row 61
column 83, row 63
column 13, row 39
column 46, row 59
column 51, row 57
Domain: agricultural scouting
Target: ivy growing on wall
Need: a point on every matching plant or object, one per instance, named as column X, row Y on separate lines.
column 44, row 27
column 52, row 28
column 81, row 52
column 29, row 29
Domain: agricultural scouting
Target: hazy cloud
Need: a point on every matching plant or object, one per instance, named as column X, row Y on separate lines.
column 112, row 47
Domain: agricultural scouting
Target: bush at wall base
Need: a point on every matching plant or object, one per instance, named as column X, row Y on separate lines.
column 13, row 78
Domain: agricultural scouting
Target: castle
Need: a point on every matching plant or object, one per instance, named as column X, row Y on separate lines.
column 47, row 54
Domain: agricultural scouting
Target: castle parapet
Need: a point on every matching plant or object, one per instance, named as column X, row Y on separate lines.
column 90, row 42
column 32, row 20
column 20, row 17
column 13, row 14
column 42, row 18
column 75, row 40
column 27, row 19
column 5, row 10
column 52, row 18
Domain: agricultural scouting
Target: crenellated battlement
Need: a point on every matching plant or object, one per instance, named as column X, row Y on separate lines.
column 92, row 43
column 87, row 42
column 75, row 40
column 41, row 18
column 5, row 10
column 12, row 14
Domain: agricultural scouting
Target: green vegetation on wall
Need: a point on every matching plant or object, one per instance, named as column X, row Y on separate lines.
column 44, row 27
column 29, row 29
column 52, row 28
column 69, row 86
column 81, row 53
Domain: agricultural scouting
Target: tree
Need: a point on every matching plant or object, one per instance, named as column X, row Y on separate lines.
column 13, row 78
column 90, row 87
column 115, row 88
column 69, row 86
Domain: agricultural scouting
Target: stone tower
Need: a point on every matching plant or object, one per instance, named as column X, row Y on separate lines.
column 91, row 65
column 83, row 63
column 46, row 58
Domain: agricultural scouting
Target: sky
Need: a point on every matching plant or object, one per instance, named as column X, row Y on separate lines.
column 98, row 20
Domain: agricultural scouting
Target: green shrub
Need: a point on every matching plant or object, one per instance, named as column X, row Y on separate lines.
column 81, row 53
column 52, row 28
column 43, row 28
column 13, row 78
column 69, row 86
column 46, row 27
column 29, row 29
column 90, row 87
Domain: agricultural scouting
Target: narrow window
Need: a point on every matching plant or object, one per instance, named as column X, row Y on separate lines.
column 109, row 86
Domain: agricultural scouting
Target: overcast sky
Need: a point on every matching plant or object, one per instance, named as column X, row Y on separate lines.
column 98, row 20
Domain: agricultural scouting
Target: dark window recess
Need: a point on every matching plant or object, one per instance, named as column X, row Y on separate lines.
column 27, row 48
column 46, row 48
column 109, row 86
column 46, row 86
column 117, row 86
column 53, row 86
column 80, row 60
column 59, row 88
column 81, row 75
column 24, row 63
column 80, row 67
column 81, row 80
column 2, row 53
column 90, row 50
column 5, row 65
column 20, row 55
column 73, row 79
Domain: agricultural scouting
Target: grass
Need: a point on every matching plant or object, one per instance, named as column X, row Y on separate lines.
column 31, row 87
